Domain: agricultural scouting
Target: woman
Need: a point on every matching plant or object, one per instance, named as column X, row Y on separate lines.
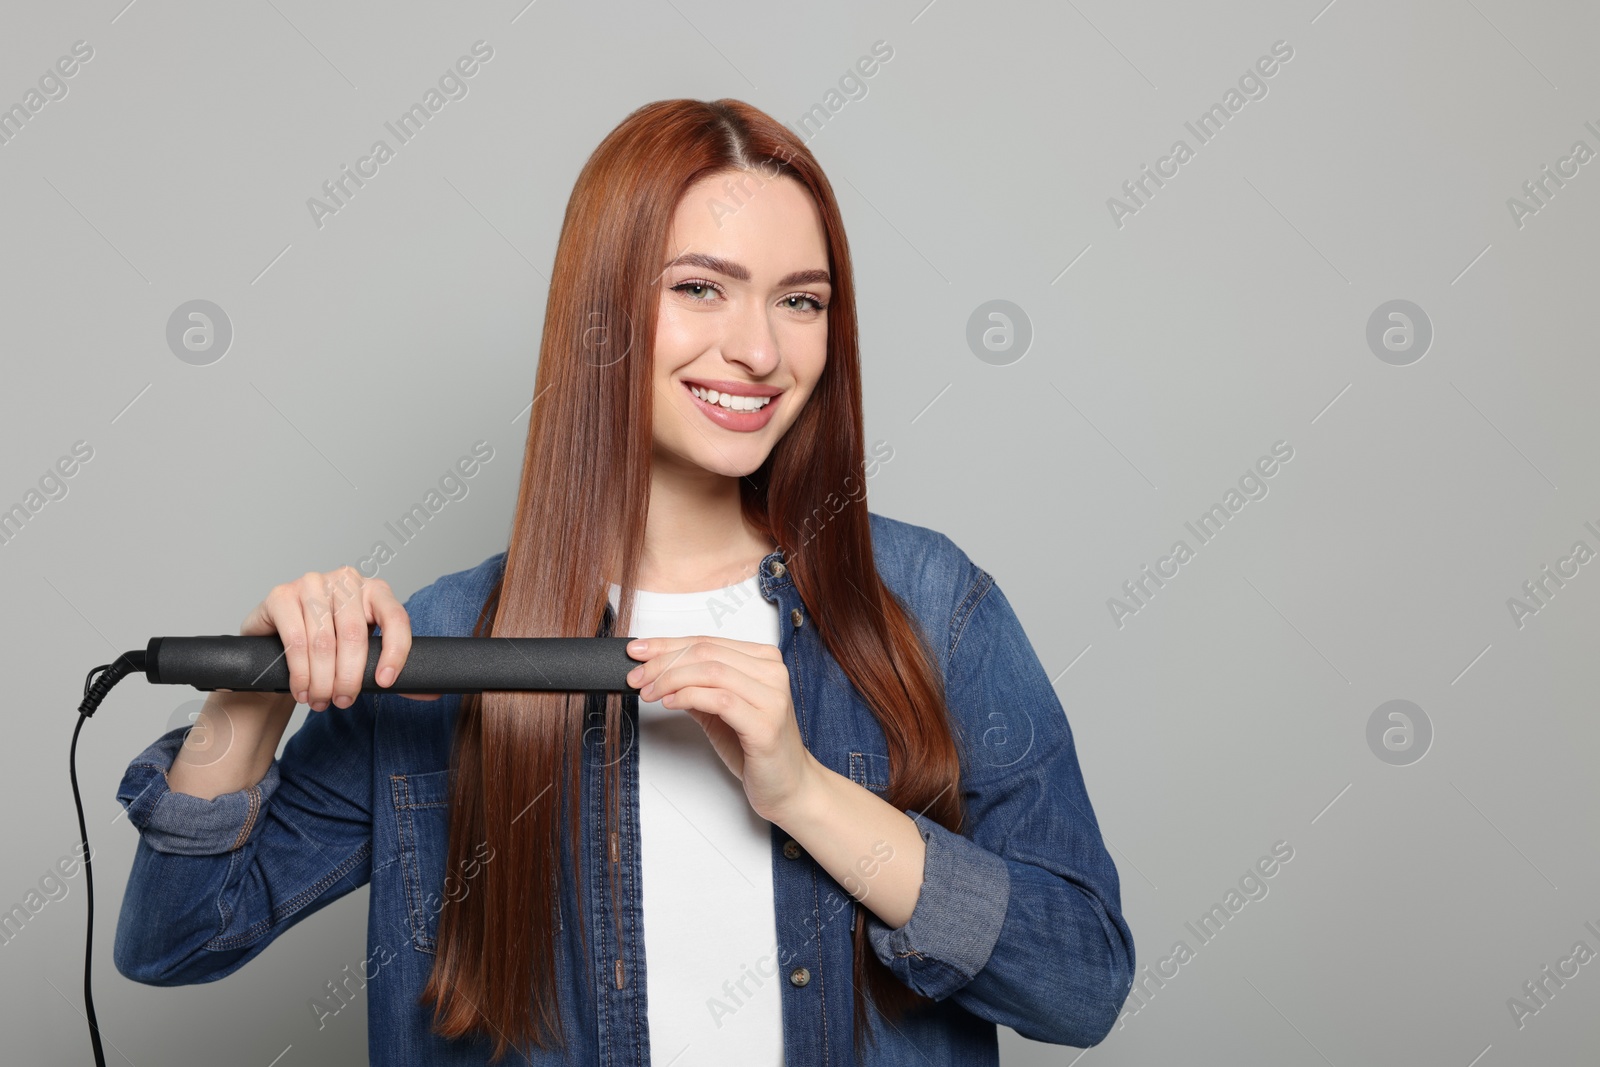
column 873, row 843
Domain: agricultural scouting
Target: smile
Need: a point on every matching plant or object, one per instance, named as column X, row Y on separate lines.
column 731, row 402
column 732, row 411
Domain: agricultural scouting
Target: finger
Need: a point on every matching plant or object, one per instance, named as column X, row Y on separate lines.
column 391, row 617
column 321, row 641
column 659, row 660
column 351, row 629
column 768, row 671
column 725, row 704
column 281, row 613
column 708, row 675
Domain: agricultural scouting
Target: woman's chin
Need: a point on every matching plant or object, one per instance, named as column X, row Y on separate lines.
column 731, row 461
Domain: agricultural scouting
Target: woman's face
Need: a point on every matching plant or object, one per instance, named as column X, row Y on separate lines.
column 740, row 312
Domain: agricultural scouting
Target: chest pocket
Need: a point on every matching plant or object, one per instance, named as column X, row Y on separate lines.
column 422, row 817
column 870, row 769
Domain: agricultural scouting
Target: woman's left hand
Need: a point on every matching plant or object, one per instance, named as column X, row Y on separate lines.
column 738, row 691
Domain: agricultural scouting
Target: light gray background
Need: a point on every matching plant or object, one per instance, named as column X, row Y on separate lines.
column 1168, row 355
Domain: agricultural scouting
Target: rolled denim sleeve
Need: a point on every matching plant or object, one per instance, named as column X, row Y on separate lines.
column 1019, row 917
column 957, row 918
column 185, row 825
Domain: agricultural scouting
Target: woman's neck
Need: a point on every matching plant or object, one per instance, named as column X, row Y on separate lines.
column 696, row 536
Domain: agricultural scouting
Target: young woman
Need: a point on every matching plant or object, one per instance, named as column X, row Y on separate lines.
column 843, row 820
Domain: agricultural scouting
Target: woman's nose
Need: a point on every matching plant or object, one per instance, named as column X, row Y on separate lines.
column 750, row 341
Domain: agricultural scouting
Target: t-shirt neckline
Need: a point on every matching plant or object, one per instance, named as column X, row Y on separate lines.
column 650, row 600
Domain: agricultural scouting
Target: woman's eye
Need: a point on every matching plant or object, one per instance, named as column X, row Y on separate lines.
column 684, row 287
column 811, row 302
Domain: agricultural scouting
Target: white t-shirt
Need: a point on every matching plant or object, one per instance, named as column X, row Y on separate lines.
column 710, row 932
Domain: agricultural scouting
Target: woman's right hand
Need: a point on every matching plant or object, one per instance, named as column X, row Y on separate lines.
column 324, row 620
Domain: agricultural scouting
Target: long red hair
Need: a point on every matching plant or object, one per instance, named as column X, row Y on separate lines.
column 581, row 509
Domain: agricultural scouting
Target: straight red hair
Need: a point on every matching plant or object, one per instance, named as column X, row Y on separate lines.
column 581, row 509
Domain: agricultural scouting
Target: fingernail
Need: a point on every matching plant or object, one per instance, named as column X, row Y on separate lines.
column 635, row 646
column 300, row 697
column 635, row 674
column 385, row 675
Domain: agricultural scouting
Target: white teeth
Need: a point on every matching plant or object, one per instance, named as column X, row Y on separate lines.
column 730, row 402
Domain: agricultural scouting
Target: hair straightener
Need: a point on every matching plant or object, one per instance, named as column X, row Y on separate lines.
column 434, row 665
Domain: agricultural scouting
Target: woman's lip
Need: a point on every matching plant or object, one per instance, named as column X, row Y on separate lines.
column 739, row 421
column 735, row 388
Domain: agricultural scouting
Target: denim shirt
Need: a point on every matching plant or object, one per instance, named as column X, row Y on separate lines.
column 1018, row 921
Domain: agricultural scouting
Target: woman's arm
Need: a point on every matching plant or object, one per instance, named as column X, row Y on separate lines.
column 236, row 846
column 215, row 880
column 233, row 743
column 869, row 846
column 1017, row 919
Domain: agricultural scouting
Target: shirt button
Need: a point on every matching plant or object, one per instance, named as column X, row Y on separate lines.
column 775, row 568
column 791, row 849
column 796, row 617
column 799, row 976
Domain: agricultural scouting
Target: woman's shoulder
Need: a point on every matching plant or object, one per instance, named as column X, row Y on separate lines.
column 449, row 605
column 902, row 547
column 931, row 574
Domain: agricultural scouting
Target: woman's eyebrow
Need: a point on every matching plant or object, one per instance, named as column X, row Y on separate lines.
column 738, row 272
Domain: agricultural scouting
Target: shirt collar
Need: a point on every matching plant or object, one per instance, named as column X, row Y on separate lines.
column 773, row 573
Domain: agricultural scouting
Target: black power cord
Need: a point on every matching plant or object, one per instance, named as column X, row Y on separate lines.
column 94, row 691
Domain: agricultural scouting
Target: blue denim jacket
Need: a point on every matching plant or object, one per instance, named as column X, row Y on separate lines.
column 1018, row 921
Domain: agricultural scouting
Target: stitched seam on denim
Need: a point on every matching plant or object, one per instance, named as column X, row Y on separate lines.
column 801, row 714
column 413, row 804
column 254, row 798
column 252, row 812
column 225, row 913
column 940, row 972
column 294, row 904
column 397, row 796
column 800, row 709
column 631, row 769
column 400, row 790
column 969, row 604
column 599, row 913
column 858, row 772
column 821, row 988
